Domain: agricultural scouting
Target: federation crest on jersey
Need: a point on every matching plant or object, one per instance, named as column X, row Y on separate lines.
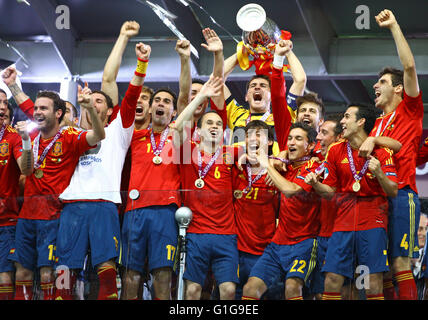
column 4, row 149
column 227, row 158
column 57, row 149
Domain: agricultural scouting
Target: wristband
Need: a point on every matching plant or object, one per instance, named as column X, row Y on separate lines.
column 278, row 61
column 141, row 68
column 26, row 144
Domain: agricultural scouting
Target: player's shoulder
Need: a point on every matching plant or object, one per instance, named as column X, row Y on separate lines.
column 383, row 151
column 337, row 145
column 11, row 129
column 70, row 130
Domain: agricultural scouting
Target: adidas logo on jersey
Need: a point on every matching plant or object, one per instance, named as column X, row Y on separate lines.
column 345, row 160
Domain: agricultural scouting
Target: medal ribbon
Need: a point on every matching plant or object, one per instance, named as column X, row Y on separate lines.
column 39, row 162
column 158, row 149
column 363, row 171
column 3, row 129
column 250, row 180
column 320, row 169
column 203, row 172
column 378, row 133
column 263, row 118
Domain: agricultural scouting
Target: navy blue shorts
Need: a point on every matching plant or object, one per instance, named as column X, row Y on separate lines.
column 347, row 249
column 246, row 263
column 84, row 225
column 35, row 243
column 404, row 213
column 7, row 244
column 318, row 278
column 292, row 261
column 219, row 251
column 151, row 233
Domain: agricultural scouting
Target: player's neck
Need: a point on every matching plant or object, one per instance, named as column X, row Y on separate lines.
column 158, row 128
column 357, row 139
column 259, row 110
column 208, row 147
column 49, row 133
column 139, row 125
column 390, row 107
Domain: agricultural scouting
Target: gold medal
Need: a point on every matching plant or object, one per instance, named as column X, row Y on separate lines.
column 356, row 186
column 38, row 173
column 199, row 183
column 157, row 160
column 237, row 194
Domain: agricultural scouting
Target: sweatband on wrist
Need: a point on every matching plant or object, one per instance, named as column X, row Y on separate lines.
column 278, row 61
column 141, row 67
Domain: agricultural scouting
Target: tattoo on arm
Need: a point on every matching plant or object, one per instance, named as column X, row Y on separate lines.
column 15, row 89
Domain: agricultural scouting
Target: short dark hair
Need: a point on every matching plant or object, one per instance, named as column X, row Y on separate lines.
column 200, row 81
column 109, row 101
column 58, row 103
column 148, row 90
column 258, row 124
column 311, row 97
column 311, row 133
column 168, row 90
column 368, row 112
column 397, row 75
column 199, row 123
column 336, row 118
column 257, row 76
column 73, row 107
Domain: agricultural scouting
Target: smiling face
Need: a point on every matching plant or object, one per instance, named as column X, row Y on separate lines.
column 44, row 114
column 385, row 91
column 258, row 95
column 298, row 144
column 327, row 136
column 162, row 109
column 310, row 114
column 422, row 230
column 211, row 130
column 4, row 111
column 350, row 124
column 256, row 138
column 142, row 111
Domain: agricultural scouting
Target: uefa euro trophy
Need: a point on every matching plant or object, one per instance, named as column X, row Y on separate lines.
column 259, row 37
column 183, row 216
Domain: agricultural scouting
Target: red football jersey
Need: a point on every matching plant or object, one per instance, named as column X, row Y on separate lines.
column 158, row 184
column 422, row 154
column 255, row 212
column 367, row 208
column 327, row 216
column 405, row 126
column 41, row 195
column 298, row 215
column 10, row 151
column 212, row 205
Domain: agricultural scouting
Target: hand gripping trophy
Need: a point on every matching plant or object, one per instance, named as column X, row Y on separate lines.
column 183, row 216
column 259, row 37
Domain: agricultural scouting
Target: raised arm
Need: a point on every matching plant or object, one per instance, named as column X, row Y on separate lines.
column 215, row 45
column 109, row 86
column 26, row 160
column 386, row 19
column 85, row 101
column 21, row 99
column 211, row 88
column 185, row 82
column 298, row 73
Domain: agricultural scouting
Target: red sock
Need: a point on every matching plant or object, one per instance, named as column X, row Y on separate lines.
column 248, row 298
column 331, row 296
column 48, row 290
column 24, row 290
column 375, row 296
column 107, row 280
column 389, row 290
column 296, row 298
column 406, row 285
column 6, row 291
column 64, row 293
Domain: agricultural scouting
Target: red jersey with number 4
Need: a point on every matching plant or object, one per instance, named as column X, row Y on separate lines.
column 298, row 215
column 157, row 184
column 212, row 205
column 405, row 126
column 10, row 151
column 255, row 212
column 41, row 194
column 367, row 208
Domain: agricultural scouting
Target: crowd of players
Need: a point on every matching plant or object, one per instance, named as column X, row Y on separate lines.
column 281, row 193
